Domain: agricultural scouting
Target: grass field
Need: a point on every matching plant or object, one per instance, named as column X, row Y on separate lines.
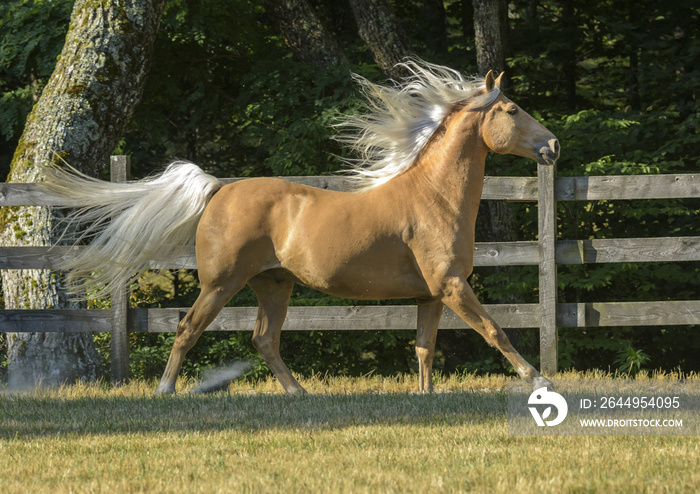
column 349, row 435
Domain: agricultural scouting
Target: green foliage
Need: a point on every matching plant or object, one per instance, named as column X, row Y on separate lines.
column 32, row 38
column 33, row 32
column 256, row 112
column 291, row 108
column 630, row 360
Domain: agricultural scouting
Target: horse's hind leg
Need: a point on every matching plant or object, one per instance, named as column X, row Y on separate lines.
column 273, row 299
column 428, row 320
column 205, row 309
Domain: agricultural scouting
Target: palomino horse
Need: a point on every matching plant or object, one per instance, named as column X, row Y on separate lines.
column 407, row 232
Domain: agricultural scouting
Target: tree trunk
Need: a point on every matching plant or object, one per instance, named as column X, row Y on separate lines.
column 79, row 118
column 490, row 29
column 491, row 35
column 379, row 29
column 496, row 220
column 304, row 33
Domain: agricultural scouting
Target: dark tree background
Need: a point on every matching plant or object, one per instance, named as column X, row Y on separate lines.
column 248, row 88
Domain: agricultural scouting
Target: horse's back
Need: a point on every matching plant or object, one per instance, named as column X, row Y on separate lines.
column 254, row 220
column 264, row 205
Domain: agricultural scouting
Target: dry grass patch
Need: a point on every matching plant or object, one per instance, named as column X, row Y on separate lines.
column 351, row 434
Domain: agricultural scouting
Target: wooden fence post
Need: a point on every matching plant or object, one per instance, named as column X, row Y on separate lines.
column 547, row 229
column 120, row 168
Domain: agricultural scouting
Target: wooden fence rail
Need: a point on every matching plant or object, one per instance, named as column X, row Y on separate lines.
column 547, row 252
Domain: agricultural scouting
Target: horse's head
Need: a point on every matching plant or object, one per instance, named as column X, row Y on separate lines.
column 507, row 129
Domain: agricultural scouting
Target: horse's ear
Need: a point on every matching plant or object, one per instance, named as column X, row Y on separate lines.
column 489, row 81
column 499, row 79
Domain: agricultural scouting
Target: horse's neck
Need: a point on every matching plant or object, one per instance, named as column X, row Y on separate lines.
column 451, row 168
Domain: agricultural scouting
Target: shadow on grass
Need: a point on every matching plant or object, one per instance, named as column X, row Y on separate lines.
column 35, row 416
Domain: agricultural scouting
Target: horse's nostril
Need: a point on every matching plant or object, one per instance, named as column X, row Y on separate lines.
column 554, row 146
column 549, row 152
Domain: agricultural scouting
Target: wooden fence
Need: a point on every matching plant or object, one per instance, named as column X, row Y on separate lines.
column 547, row 252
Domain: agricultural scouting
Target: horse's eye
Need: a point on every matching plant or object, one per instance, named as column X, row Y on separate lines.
column 512, row 110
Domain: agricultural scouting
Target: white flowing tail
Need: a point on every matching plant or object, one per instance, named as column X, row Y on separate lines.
column 126, row 225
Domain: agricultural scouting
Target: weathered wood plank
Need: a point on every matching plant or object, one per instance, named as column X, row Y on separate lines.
column 186, row 261
column 506, row 253
column 510, row 188
column 597, row 188
column 667, row 313
column 656, row 249
column 33, row 257
column 334, row 318
column 370, row 317
column 27, row 195
column 547, row 228
column 56, row 320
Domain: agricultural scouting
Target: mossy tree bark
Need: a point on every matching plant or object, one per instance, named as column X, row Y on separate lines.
column 82, row 112
column 305, row 33
column 312, row 42
column 491, row 35
column 380, row 30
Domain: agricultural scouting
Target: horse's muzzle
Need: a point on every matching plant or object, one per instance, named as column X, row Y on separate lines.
column 549, row 153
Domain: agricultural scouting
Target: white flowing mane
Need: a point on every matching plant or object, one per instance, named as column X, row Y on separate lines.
column 399, row 120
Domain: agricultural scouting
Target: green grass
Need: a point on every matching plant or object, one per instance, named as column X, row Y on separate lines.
column 350, row 435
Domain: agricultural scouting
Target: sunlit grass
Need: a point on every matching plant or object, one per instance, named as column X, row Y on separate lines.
column 372, row 434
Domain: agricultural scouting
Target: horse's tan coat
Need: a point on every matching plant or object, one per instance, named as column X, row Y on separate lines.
column 412, row 237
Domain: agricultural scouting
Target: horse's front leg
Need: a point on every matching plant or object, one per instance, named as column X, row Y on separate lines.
column 459, row 297
column 428, row 320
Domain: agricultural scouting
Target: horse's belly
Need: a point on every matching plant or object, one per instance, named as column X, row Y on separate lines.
column 363, row 277
column 391, row 288
column 368, row 288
